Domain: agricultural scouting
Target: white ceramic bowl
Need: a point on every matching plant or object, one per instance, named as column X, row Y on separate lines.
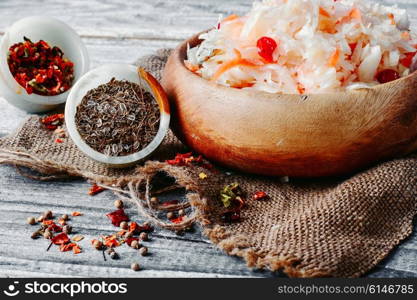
column 102, row 75
column 54, row 32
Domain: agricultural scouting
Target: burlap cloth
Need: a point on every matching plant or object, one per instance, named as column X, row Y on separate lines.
column 339, row 227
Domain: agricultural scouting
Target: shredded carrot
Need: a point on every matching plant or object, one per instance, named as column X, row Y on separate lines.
column 355, row 14
column 391, row 16
column 242, row 85
column 327, row 25
column 236, row 62
column 406, row 35
column 324, row 12
column 191, row 67
column 334, row 58
column 230, row 18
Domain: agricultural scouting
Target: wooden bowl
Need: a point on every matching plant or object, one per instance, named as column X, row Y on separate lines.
column 291, row 135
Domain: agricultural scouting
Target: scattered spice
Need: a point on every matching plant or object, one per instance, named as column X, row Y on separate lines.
column 47, row 215
column 143, row 251
column 117, row 217
column 97, row 244
column 31, row 221
column 59, row 141
column 135, row 267
column 60, row 239
column 170, row 215
column 124, row 225
column 177, row 220
column 118, row 118
column 231, row 194
column 187, row 159
column 47, row 234
column 118, row 204
column 202, row 175
column 95, row 189
column 53, row 122
column 40, row 68
column 181, row 212
column 144, row 236
column 133, row 242
column 35, row 234
column 67, row 229
column 113, row 255
column 76, row 214
column 260, row 195
column 78, row 238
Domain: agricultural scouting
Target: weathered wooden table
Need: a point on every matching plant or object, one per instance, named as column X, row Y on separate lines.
column 119, row 31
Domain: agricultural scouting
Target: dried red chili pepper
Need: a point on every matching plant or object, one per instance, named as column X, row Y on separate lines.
column 60, row 239
column 40, row 68
column 117, row 217
column 76, row 214
column 95, row 189
column 135, row 228
column 67, row 247
column 260, row 195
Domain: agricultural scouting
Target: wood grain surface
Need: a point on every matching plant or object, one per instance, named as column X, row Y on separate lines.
column 119, row 31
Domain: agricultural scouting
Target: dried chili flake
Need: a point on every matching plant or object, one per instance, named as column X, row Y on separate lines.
column 111, row 242
column 117, row 217
column 177, row 220
column 55, row 228
column 48, row 222
column 78, row 238
column 95, row 189
column 76, row 214
column 67, row 247
column 59, row 141
column 76, row 249
column 136, row 228
column 40, row 68
column 60, row 239
column 260, row 195
column 53, row 122
column 187, row 159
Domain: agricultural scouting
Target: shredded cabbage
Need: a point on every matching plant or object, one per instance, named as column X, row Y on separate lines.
column 322, row 46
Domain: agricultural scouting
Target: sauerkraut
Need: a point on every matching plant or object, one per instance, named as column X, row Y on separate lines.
column 307, row 46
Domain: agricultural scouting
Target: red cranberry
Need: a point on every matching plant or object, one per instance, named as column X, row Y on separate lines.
column 387, row 75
